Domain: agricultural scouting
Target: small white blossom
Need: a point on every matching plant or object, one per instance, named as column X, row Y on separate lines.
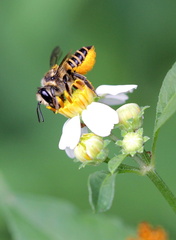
column 98, row 117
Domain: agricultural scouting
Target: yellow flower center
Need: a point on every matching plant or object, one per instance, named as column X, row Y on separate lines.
column 74, row 104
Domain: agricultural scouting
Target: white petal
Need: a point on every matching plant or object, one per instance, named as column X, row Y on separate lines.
column 70, row 152
column 100, row 118
column 71, row 133
column 114, row 89
column 114, row 100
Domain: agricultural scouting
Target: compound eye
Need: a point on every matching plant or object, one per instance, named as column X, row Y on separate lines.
column 53, row 78
column 45, row 95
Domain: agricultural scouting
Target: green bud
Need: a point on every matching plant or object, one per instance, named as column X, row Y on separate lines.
column 90, row 149
column 130, row 117
column 133, row 142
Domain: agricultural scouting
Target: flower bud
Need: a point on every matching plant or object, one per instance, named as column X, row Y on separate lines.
column 130, row 117
column 133, row 142
column 90, row 149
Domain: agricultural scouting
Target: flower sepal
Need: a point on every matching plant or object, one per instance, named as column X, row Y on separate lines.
column 103, row 154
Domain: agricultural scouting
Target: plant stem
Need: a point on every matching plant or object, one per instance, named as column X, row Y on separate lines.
column 146, row 166
column 163, row 188
column 154, row 147
column 113, row 137
column 124, row 168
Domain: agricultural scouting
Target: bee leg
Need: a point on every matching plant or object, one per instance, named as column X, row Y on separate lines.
column 52, row 90
column 56, row 104
column 66, row 80
column 54, row 100
column 77, row 75
column 88, row 84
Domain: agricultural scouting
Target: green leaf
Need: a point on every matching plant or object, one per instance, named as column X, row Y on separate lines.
column 101, row 190
column 32, row 217
column 166, row 105
column 115, row 162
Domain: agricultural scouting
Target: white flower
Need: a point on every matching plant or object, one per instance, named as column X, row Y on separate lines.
column 98, row 117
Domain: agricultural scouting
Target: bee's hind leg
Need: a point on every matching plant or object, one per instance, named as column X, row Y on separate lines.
column 82, row 77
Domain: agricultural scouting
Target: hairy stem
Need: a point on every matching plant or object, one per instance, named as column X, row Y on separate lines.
column 163, row 188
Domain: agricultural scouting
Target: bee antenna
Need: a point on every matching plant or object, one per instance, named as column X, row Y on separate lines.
column 39, row 113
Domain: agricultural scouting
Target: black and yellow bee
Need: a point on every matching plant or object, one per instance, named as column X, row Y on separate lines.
column 60, row 79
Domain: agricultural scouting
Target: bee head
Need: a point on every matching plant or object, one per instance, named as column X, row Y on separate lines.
column 43, row 97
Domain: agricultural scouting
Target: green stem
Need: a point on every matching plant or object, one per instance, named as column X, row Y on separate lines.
column 154, row 147
column 124, row 168
column 143, row 159
column 113, row 137
column 147, row 157
column 163, row 188
column 147, row 168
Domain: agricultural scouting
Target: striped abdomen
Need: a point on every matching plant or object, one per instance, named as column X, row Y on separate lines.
column 83, row 60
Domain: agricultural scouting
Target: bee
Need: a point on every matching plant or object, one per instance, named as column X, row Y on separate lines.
column 59, row 79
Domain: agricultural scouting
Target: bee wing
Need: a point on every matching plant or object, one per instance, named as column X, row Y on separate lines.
column 55, row 55
column 65, row 58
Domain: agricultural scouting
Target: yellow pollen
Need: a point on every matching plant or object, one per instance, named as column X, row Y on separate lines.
column 61, row 103
column 67, row 96
column 75, row 103
column 78, row 85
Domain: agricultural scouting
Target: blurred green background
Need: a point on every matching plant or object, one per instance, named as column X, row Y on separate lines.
column 135, row 43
